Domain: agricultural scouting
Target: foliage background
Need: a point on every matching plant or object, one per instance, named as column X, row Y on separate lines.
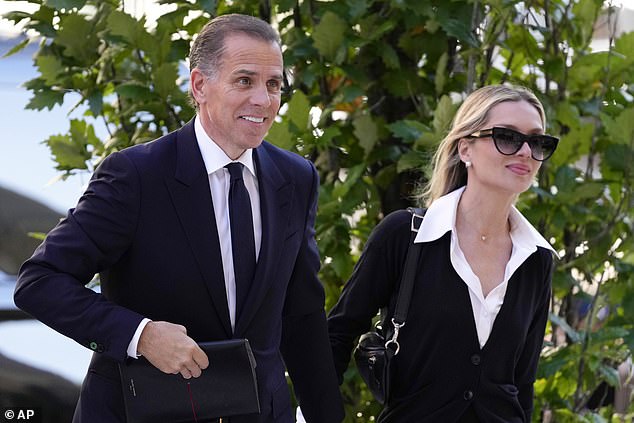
column 375, row 84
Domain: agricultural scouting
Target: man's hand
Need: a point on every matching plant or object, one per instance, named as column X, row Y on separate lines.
column 170, row 350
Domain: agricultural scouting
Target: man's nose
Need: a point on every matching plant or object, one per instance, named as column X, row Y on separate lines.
column 260, row 96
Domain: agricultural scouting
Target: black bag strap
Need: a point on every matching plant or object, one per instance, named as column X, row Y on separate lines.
column 407, row 280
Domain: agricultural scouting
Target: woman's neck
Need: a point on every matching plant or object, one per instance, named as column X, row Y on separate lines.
column 485, row 215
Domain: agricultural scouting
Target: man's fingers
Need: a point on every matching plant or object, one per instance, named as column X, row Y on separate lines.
column 186, row 374
column 200, row 358
column 167, row 346
column 196, row 372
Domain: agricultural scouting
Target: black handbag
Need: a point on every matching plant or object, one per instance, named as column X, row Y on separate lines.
column 374, row 355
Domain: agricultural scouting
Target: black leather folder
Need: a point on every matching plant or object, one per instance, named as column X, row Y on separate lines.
column 226, row 388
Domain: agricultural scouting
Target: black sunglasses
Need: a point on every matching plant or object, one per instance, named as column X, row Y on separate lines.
column 509, row 142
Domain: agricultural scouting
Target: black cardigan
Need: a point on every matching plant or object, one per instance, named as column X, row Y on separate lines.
column 441, row 369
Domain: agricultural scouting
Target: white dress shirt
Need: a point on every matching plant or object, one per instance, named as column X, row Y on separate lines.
column 441, row 218
column 219, row 182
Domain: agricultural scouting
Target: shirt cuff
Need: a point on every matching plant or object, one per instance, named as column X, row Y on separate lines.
column 299, row 416
column 132, row 352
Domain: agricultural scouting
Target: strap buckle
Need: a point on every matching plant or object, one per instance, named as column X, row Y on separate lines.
column 416, row 214
column 397, row 328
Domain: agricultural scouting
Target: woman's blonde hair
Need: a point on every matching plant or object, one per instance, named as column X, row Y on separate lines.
column 449, row 173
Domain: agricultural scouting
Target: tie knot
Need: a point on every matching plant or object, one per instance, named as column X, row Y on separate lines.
column 235, row 170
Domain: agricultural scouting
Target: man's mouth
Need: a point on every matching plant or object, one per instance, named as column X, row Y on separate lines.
column 253, row 119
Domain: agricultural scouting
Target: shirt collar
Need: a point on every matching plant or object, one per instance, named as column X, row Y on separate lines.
column 440, row 218
column 213, row 156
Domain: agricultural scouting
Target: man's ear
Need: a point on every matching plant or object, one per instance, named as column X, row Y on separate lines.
column 197, row 81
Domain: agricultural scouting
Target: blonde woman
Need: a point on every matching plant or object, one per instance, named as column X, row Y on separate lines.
column 474, row 329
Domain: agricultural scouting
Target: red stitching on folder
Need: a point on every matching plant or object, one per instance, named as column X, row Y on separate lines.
column 191, row 400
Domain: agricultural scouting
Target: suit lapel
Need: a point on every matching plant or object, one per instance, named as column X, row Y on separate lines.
column 189, row 189
column 276, row 195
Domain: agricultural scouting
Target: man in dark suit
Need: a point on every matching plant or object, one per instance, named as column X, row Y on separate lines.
column 155, row 222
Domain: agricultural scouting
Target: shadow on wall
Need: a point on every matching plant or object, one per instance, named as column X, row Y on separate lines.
column 52, row 397
column 20, row 215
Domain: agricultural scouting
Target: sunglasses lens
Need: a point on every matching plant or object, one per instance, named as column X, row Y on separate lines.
column 507, row 141
column 543, row 147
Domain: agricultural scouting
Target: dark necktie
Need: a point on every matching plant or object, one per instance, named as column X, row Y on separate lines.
column 242, row 237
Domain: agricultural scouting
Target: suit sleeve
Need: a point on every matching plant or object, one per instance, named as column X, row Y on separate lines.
column 93, row 236
column 526, row 368
column 305, row 346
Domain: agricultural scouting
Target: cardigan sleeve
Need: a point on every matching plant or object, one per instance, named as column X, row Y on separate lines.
column 526, row 367
column 371, row 286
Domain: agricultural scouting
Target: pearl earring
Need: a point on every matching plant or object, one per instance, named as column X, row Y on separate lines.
column 467, row 164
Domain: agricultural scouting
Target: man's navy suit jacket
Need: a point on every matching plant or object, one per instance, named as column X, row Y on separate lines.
column 146, row 225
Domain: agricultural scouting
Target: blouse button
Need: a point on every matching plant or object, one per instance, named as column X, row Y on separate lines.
column 475, row 359
column 468, row 395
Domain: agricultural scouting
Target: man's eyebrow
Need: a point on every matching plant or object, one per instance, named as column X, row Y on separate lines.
column 245, row 72
column 248, row 72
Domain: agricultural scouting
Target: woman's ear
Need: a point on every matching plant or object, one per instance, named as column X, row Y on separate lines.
column 464, row 150
column 197, row 82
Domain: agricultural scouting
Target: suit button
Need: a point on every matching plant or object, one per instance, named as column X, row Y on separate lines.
column 468, row 395
column 93, row 346
column 475, row 359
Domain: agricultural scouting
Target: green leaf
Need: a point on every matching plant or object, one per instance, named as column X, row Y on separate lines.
column 588, row 190
column 83, row 135
column 443, row 114
column 330, row 132
column 50, row 67
column 70, row 150
column 165, row 79
column 565, row 179
column 285, row 5
column 17, row 48
column 281, row 136
column 610, row 374
column 441, row 70
column 208, row 6
column 95, row 102
column 621, row 129
column 299, row 110
column 573, row 145
column 357, row 7
column 625, row 45
column 618, row 157
column 16, row 16
column 402, row 82
column 366, row 132
column 133, row 90
column 45, row 98
column 459, row 29
column 76, row 35
column 342, row 264
column 352, row 177
column 389, row 56
column 411, row 160
column 408, row 130
column 123, row 25
column 328, row 35
column 65, row 4
column 567, row 114
column 40, row 236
